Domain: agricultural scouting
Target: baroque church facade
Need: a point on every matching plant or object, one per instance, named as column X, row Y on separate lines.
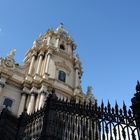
column 49, row 66
column 47, row 101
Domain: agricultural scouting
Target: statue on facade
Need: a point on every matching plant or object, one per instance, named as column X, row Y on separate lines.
column 9, row 60
column 35, row 44
column 11, row 54
column 89, row 96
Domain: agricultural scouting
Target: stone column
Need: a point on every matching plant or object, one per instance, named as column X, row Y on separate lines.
column 31, row 64
column 77, row 83
column 48, row 41
column 41, row 101
column 57, row 43
column 39, row 62
column 31, row 104
column 48, row 61
column 22, row 103
column 27, row 101
column 37, row 102
column 45, row 62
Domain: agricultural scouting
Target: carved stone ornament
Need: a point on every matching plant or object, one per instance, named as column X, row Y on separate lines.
column 62, row 32
column 11, row 54
column 9, row 63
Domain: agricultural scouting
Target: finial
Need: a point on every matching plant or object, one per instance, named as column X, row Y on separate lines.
column 89, row 95
column 35, row 44
column 138, row 86
column 40, row 35
column 60, row 27
column 50, row 29
column 11, row 54
column 89, row 90
column 61, row 24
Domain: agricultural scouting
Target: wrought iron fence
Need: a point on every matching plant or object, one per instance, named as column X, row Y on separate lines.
column 8, row 125
column 68, row 120
column 71, row 121
column 30, row 126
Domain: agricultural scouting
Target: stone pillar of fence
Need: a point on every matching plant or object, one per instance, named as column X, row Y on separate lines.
column 136, row 105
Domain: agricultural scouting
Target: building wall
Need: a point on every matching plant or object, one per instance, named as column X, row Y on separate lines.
column 12, row 93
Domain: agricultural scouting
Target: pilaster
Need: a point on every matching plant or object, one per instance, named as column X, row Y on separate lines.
column 31, row 105
column 22, row 103
column 43, row 92
column 48, row 40
column 41, row 54
column 37, row 75
column 57, row 42
column 49, row 53
column 32, row 63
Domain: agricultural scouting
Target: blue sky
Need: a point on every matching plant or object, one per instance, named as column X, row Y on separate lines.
column 107, row 34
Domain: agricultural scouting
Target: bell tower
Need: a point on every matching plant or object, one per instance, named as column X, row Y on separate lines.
column 50, row 66
column 51, row 63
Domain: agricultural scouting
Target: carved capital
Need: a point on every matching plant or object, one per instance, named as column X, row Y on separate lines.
column 41, row 53
column 49, row 52
column 24, row 93
column 43, row 89
column 34, row 53
column 25, row 90
column 33, row 91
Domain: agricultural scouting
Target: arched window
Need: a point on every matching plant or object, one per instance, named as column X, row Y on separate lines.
column 7, row 102
column 62, row 76
column 62, row 47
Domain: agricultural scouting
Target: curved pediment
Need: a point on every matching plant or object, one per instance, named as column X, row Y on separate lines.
column 63, row 65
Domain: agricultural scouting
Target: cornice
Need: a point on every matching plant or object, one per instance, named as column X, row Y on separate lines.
column 64, row 55
column 49, row 83
column 66, row 85
column 63, row 91
column 15, row 83
column 6, row 73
